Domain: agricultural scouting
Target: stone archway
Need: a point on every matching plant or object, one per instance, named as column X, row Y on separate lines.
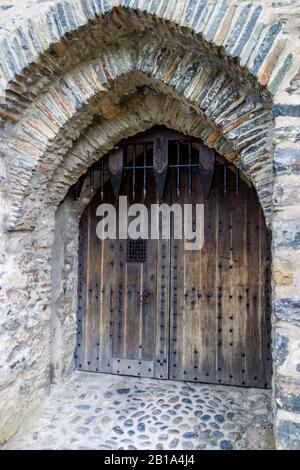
column 219, row 71
column 97, row 88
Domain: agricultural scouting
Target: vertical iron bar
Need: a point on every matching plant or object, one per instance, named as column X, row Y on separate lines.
column 199, row 157
column 91, row 179
column 102, row 179
column 178, row 169
column 190, row 169
column 133, row 171
column 91, row 182
column 237, row 177
column 145, row 171
column 225, row 177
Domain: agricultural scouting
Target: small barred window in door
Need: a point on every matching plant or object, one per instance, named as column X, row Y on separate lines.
column 136, row 251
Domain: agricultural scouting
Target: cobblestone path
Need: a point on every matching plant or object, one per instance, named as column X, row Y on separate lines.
column 95, row 411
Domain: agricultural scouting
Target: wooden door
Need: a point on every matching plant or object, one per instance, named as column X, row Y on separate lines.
column 220, row 295
column 151, row 308
column 123, row 292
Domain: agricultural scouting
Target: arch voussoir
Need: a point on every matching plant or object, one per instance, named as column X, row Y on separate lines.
column 67, row 33
column 139, row 116
column 96, row 88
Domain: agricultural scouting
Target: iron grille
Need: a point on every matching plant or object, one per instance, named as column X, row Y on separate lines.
column 136, row 251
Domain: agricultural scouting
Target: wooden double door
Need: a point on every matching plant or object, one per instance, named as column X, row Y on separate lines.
column 151, row 308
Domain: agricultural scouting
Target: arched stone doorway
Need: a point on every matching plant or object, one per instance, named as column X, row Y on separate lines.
column 76, row 78
column 166, row 307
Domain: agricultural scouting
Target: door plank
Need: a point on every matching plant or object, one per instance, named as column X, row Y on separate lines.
column 238, row 279
column 224, row 270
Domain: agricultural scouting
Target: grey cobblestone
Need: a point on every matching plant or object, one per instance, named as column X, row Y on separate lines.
column 96, row 411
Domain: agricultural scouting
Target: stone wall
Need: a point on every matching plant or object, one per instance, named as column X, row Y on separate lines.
column 24, row 322
column 64, row 264
column 286, row 262
column 76, row 76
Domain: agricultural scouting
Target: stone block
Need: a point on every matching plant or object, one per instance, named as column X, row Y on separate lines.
column 247, row 31
column 282, row 273
column 288, row 309
column 287, row 431
column 286, row 234
column 265, row 46
column 286, row 160
column 274, row 85
column 237, row 28
column 287, row 393
column 286, row 354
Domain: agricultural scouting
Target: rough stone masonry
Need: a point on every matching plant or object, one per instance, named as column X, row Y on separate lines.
column 76, row 77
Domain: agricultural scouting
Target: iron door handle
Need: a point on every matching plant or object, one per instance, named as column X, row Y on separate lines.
column 145, row 296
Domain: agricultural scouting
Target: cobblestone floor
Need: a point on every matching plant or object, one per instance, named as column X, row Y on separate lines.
column 95, row 411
